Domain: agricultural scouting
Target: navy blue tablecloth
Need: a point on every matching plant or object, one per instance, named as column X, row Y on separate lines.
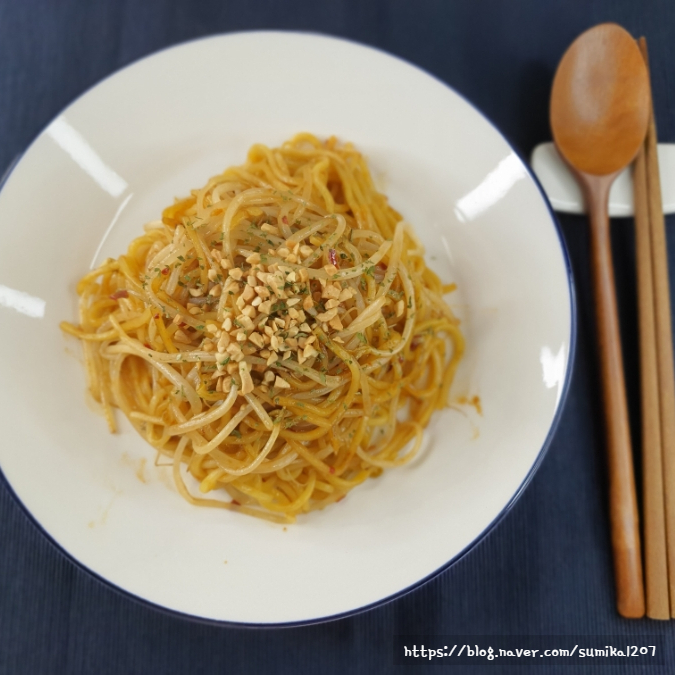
column 546, row 569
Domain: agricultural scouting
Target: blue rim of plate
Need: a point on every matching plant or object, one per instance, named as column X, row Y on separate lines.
column 498, row 518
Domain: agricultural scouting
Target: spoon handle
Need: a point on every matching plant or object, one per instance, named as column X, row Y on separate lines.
column 623, row 511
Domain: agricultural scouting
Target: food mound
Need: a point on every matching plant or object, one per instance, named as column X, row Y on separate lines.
column 277, row 333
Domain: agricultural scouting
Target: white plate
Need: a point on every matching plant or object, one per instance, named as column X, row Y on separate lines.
column 112, row 160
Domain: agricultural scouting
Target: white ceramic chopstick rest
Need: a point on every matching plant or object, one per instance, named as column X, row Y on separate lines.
column 565, row 195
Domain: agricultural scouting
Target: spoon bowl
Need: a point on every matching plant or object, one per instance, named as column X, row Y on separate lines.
column 599, row 101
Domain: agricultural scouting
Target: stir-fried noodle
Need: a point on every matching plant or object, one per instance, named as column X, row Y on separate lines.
column 277, row 332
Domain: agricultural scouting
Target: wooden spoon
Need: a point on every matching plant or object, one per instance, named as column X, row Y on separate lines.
column 599, row 117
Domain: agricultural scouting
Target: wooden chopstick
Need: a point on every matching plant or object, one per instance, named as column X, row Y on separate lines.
column 664, row 340
column 656, row 566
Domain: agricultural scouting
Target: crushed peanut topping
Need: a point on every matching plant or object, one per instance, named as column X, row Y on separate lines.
column 267, row 309
column 280, row 383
